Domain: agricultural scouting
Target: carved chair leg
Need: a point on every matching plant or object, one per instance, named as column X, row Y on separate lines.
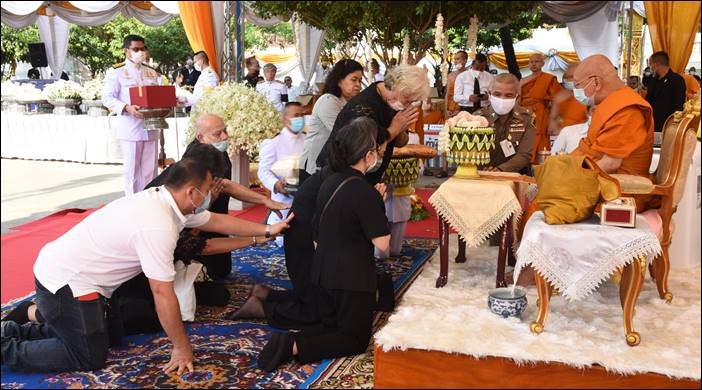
column 443, row 253
column 461, row 256
column 661, row 268
column 544, row 289
column 629, row 289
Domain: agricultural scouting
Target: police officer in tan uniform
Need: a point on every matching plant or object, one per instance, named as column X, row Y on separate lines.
column 515, row 128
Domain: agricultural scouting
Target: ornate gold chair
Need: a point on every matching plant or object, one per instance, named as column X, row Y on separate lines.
column 677, row 149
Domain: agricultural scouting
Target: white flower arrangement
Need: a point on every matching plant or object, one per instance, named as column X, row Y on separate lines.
column 62, row 89
column 439, row 33
column 27, row 92
column 404, row 56
column 249, row 116
column 8, row 88
column 92, row 90
column 445, row 64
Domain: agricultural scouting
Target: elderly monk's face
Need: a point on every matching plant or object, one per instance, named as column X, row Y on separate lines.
column 505, row 90
column 213, row 130
column 536, row 63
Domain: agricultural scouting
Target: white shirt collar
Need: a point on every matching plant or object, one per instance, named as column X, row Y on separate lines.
column 165, row 194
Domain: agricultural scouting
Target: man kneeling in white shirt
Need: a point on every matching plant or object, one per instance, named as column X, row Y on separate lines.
column 290, row 142
column 76, row 274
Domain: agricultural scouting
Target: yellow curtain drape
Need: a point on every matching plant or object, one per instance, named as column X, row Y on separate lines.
column 276, row 58
column 673, row 25
column 500, row 60
column 198, row 24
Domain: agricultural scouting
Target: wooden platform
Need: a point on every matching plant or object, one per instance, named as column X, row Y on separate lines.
column 415, row 368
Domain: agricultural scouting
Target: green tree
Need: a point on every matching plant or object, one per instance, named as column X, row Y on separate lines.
column 262, row 37
column 388, row 21
column 100, row 47
column 14, row 47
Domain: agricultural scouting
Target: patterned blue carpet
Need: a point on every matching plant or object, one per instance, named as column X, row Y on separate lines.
column 225, row 351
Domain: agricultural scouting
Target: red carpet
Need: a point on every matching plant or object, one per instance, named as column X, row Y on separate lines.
column 20, row 248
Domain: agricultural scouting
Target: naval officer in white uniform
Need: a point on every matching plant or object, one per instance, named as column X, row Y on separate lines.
column 138, row 145
column 289, row 142
column 208, row 78
column 275, row 91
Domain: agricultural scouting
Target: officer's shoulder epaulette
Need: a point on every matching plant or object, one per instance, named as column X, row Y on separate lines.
column 117, row 66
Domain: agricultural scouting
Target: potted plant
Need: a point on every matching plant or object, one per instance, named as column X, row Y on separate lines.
column 92, row 97
column 64, row 96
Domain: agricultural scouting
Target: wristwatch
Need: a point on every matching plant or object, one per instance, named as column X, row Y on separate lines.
column 254, row 241
column 268, row 231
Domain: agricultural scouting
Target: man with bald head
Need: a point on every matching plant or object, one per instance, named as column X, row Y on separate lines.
column 566, row 110
column 538, row 91
column 620, row 137
column 211, row 129
column 514, row 126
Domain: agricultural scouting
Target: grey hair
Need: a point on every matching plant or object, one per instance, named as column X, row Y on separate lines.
column 410, row 80
column 270, row 66
column 352, row 142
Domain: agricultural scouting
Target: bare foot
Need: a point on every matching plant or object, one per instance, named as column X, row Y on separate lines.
column 260, row 291
column 252, row 308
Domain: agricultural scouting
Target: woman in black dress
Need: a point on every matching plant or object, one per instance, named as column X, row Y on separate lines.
column 392, row 105
column 349, row 221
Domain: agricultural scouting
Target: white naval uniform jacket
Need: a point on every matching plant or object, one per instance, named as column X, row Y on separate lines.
column 115, row 96
column 273, row 91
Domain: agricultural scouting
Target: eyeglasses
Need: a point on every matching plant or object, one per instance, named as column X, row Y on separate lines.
column 589, row 80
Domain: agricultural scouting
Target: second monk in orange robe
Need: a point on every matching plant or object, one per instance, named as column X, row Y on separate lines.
column 538, row 91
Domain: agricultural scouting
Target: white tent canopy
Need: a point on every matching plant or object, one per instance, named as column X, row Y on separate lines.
column 54, row 25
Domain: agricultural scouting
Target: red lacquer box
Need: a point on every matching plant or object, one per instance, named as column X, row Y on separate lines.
column 619, row 212
column 153, row 96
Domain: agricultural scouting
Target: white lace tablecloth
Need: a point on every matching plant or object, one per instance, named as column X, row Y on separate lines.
column 77, row 138
column 577, row 258
column 476, row 209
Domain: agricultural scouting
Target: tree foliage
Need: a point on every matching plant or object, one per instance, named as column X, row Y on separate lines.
column 101, row 46
column 14, row 46
column 386, row 22
column 262, row 37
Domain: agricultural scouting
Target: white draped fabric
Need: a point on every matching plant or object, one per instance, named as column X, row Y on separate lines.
column 309, row 42
column 18, row 21
column 596, row 35
column 20, row 14
column 53, row 32
column 251, row 17
column 169, row 7
column 94, row 6
column 77, row 138
column 21, row 8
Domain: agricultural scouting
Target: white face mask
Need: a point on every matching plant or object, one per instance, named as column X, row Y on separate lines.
column 458, row 66
column 138, row 57
column 397, row 106
column 502, row 106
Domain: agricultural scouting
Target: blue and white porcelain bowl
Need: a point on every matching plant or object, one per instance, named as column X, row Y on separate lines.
column 503, row 303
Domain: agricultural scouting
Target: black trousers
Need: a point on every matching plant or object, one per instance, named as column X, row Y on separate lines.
column 345, row 328
column 296, row 308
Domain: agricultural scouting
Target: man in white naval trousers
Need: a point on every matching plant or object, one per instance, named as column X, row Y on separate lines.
column 208, row 78
column 139, row 147
column 289, row 142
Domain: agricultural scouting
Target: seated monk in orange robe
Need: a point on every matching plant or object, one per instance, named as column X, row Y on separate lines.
column 538, row 91
column 566, row 110
column 692, row 86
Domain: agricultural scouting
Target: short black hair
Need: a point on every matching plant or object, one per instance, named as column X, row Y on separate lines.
column 374, row 64
column 462, row 52
column 660, row 57
column 250, row 60
column 339, row 72
column 352, row 142
column 132, row 38
column 187, row 171
column 202, row 55
column 211, row 156
column 293, row 104
column 480, row 57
